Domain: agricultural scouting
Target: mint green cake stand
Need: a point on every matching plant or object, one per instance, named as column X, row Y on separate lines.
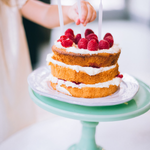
column 91, row 116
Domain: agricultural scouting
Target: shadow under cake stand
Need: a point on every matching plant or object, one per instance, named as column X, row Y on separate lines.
column 90, row 116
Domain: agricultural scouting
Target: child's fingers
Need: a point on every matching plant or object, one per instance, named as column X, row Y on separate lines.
column 77, row 21
column 89, row 15
column 73, row 14
column 84, row 12
column 93, row 16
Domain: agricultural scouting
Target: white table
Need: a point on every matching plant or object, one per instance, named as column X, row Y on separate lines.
column 56, row 134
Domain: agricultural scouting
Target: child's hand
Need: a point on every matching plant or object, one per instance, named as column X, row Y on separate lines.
column 88, row 13
column 48, row 16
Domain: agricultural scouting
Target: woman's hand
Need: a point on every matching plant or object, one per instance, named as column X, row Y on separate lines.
column 88, row 13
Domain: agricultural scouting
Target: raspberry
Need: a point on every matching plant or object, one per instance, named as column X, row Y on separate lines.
column 107, row 34
column 87, row 32
column 76, row 82
column 63, row 37
column 83, row 43
column 69, row 31
column 92, row 36
column 110, row 40
column 120, row 76
column 66, row 43
column 77, row 38
column 103, row 44
column 94, row 65
column 92, row 45
column 70, row 36
column 59, row 40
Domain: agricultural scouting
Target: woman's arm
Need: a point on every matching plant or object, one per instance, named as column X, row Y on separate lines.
column 47, row 15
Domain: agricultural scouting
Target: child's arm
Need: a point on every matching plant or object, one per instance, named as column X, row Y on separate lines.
column 47, row 15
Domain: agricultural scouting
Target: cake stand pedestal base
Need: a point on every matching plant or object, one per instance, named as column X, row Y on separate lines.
column 87, row 141
column 75, row 147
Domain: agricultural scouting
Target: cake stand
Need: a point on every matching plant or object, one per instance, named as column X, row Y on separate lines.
column 90, row 116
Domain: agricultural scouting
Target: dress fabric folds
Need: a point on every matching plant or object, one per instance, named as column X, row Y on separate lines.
column 16, row 108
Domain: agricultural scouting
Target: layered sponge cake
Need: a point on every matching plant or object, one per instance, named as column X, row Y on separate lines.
column 84, row 67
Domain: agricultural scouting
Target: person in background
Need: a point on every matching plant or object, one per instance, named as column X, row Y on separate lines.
column 16, row 109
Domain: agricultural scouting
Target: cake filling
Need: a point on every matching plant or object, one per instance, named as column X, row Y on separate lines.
column 89, row 70
column 112, row 50
column 63, row 90
column 116, row 81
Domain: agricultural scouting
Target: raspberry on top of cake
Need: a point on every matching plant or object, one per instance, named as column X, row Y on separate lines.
column 85, row 67
column 89, row 42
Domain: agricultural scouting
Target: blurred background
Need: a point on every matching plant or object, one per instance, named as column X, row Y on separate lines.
column 127, row 20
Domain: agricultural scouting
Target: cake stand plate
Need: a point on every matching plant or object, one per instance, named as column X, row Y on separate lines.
column 38, row 81
column 90, row 116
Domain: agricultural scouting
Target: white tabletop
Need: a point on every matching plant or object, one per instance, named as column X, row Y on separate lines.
column 60, row 133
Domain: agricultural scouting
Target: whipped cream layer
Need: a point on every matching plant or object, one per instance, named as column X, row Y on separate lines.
column 116, row 81
column 63, row 90
column 89, row 70
column 112, row 50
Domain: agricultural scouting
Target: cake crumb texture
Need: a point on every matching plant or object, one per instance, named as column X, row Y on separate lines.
column 68, row 74
column 85, row 60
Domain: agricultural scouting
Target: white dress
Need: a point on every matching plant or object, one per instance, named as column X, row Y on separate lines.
column 16, row 108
